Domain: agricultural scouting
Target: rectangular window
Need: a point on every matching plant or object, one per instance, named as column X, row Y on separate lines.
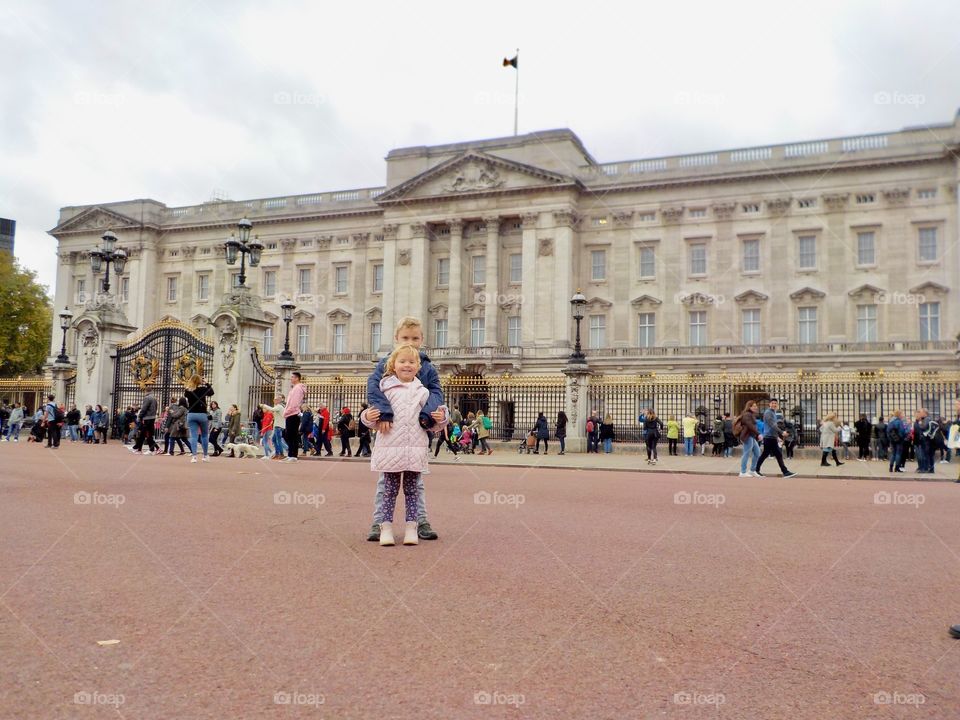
column 929, row 321
column 807, row 252
column 927, row 193
column 172, row 289
column 479, row 269
column 647, row 331
column 648, row 262
column 698, row 212
column 513, row 331
column 751, row 208
column 698, row 327
column 440, row 333
column 268, row 341
column 808, row 325
column 340, row 279
column 124, row 289
column 698, row 259
column 81, row 290
column 598, row 331
column 375, row 335
column 866, row 323
column 477, row 332
column 303, row 339
column 443, row 272
column 866, row 198
column 806, row 203
column 751, row 327
column 203, row 286
column 516, row 268
column 304, row 281
column 339, row 338
column 378, row 278
column 598, row 265
column 235, row 279
column 647, row 216
column 928, row 244
column 751, row 255
column 866, row 248
column 269, row 283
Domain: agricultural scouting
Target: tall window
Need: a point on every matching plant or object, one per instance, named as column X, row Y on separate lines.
column 443, row 271
column 751, row 255
column 268, row 341
column 378, row 278
column 479, row 269
column 698, row 259
column 751, row 327
column 340, row 279
column 598, row 265
column 303, row 339
column 930, row 321
column 375, row 334
column 647, row 334
column 235, row 279
column 807, row 252
column 598, row 331
column 477, row 332
column 808, row 325
column 124, row 289
column 648, row 262
column 203, row 286
column 440, row 333
column 866, row 248
column 698, row 327
column 81, row 290
column 339, row 338
column 866, row 323
column 269, row 282
column 304, row 283
column 516, row 268
column 928, row 244
column 513, row 331
column 172, row 283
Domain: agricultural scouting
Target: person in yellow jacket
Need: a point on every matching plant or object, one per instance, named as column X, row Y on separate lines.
column 689, row 433
column 673, row 434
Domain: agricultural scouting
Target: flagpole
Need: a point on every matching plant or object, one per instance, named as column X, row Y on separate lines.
column 516, row 95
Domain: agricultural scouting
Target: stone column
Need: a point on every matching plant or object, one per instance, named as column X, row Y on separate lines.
column 455, row 292
column 58, row 374
column 619, row 270
column 388, row 314
column 239, row 323
column 565, row 222
column 62, row 299
column 528, row 286
column 578, row 382
column 100, row 328
column 419, row 271
column 492, row 293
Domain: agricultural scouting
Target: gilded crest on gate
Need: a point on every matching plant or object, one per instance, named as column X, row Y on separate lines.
column 144, row 370
column 187, row 366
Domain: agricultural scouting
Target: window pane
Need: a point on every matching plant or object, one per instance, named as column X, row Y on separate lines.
column 516, row 268
column 808, row 325
column 647, row 262
column 598, row 331
column 807, row 251
column 375, row 337
column 647, row 335
column 698, row 259
column 751, row 327
column 698, row 327
column 929, row 321
column 479, row 269
column 304, row 281
column 598, row 264
column 440, row 333
column 513, row 331
column 171, row 289
column 866, row 323
column 269, row 282
column 928, row 244
column 866, row 251
column 339, row 338
column 341, row 279
column 303, row 339
column 268, row 341
column 378, row 278
column 751, row 255
column 443, row 271
column 477, row 338
column 124, row 289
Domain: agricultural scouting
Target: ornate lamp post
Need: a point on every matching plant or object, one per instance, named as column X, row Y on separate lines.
column 243, row 246
column 577, row 303
column 287, row 308
column 65, row 317
column 102, row 257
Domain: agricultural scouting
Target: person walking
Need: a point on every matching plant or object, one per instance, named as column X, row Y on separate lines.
column 828, row 440
column 561, row 432
column 266, row 431
column 279, row 445
column 482, row 426
column 216, row 426
column 14, row 423
column 324, row 431
column 745, row 429
column 363, row 435
column 863, row 429
column 652, row 429
column 233, row 421
column 53, row 422
column 542, row 431
column 175, row 427
column 196, row 392
column 673, row 435
column 306, row 427
column 147, row 417
column 771, row 437
column 689, row 434
column 346, row 424
column 291, row 416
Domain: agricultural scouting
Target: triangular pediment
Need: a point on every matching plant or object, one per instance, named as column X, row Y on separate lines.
column 930, row 288
column 646, row 300
column 751, row 296
column 865, row 289
column 373, row 312
column 807, row 292
column 339, row 314
column 597, row 302
column 96, row 219
column 475, row 173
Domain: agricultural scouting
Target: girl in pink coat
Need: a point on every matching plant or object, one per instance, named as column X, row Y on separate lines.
column 402, row 448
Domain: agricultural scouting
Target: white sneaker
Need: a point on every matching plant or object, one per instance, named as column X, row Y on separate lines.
column 410, row 535
column 746, row 474
column 147, row 452
column 386, row 534
column 944, row 462
column 130, row 448
column 193, row 458
column 265, row 457
column 293, row 460
column 754, row 473
column 206, row 458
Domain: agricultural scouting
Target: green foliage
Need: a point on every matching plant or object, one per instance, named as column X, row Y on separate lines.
column 26, row 319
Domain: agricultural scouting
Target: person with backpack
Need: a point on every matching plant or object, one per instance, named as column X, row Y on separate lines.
column 482, row 426
column 717, row 438
column 652, row 429
column 896, row 435
column 745, row 428
column 593, row 432
column 53, row 422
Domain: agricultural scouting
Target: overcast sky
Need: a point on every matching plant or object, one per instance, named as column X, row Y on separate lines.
column 107, row 101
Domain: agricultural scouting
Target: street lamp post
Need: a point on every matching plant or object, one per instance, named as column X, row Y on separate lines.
column 243, row 246
column 577, row 303
column 65, row 317
column 102, row 257
column 287, row 308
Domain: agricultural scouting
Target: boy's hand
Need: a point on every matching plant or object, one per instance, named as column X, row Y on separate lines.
column 438, row 415
column 372, row 414
column 383, row 425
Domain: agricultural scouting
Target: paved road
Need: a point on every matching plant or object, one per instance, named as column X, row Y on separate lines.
column 556, row 594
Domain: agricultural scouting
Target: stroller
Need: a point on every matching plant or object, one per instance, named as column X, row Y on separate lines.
column 528, row 443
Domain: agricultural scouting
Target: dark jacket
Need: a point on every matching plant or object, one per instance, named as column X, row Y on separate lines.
column 863, row 428
column 306, row 422
column 748, row 426
column 176, row 420
column 197, row 399
column 73, row 417
column 343, row 424
column 428, row 376
column 652, row 428
column 561, row 428
column 233, row 427
column 606, row 431
column 542, row 428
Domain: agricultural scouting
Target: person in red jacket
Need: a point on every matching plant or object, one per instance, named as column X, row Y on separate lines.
column 326, row 432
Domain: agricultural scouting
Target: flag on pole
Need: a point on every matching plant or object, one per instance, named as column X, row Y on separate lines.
column 514, row 62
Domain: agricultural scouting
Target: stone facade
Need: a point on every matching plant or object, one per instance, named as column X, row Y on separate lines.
column 838, row 253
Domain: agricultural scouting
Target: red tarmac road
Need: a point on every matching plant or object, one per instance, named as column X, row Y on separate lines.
column 568, row 595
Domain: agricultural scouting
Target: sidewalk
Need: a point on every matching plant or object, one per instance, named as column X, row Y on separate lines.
column 506, row 455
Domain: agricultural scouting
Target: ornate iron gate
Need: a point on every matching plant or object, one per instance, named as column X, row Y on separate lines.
column 70, row 390
column 160, row 359
column 264, row 386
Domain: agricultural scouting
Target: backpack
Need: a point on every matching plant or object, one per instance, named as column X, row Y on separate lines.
column 487, row 423
column 894, row 432
column 589, row 426
column 57, row 414
column 737, row 427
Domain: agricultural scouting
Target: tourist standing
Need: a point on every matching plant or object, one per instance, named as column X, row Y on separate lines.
column 896, row 435
column 673, row 435
column 73, row 423
column 828, row 440
column 345, row 427
column 363, row 435
column 689, row 433
column 198, row 423
column 14, row 423
column 306, row 427
column 542, row 430
column 607, row 433
column 846, row 437
column 652, row 428
column 561, row 433
column 593, row 431
column 745, row 429
column 53, row 422
column 291, row 416
column 482, row 427
column 216, row 426
column 863, row 429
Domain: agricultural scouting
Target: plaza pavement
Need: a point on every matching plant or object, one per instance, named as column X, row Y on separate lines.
column 246, row 589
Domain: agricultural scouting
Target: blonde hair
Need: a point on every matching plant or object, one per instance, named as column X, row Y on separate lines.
column 831, row 417
column 401, row 350
column 193, row 383
column 408, row 322
column 607, row 419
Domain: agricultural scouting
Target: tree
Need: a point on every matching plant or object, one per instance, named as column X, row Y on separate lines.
column 26, row 319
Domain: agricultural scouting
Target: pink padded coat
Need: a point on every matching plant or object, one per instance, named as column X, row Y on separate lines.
column 406, row 446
